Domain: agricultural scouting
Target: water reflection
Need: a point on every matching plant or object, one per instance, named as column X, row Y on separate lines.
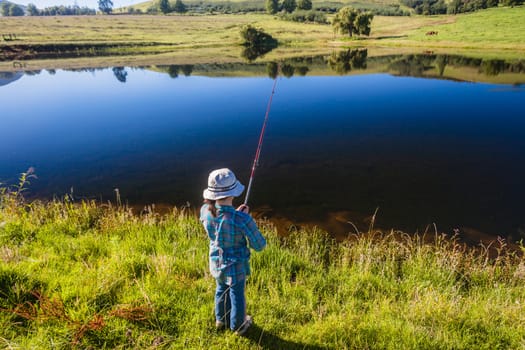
column 347, row 61
column 272, row 68
column 257, row 43
column 174, row 70
column 32, row 72
column 338, row 145
column 455, row 67
column 251, row 53
column 435, row 65
column 9, row 77
column 343, row 62
column 120, row 73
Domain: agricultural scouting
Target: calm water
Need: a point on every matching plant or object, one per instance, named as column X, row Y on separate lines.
column 423, row 150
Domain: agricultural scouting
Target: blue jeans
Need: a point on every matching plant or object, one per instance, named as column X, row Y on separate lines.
column 230, row 303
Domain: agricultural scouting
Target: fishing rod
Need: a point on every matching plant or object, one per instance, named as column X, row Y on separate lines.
column 261, row 138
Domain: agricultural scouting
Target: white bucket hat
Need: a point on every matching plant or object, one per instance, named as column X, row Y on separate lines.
column 222, row 183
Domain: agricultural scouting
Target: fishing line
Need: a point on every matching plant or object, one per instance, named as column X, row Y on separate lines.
column 261, row 138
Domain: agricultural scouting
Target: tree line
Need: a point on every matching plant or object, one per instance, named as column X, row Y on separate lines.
column 292, row 10
column 10, row 9
column 289, row 6
column 32, row 10
column 295, row 10
column 165, row 6
column 437, row 7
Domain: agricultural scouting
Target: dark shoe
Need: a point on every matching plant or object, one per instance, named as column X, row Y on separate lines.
column 244, row 326
column 220, row 326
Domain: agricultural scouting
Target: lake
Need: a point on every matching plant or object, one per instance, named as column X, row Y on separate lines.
column 427, row 139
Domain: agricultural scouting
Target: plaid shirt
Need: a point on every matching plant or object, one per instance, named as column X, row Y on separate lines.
column 229, row 233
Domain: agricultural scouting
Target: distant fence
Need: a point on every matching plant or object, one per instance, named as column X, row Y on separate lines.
column 9, row 37
column 18, row 64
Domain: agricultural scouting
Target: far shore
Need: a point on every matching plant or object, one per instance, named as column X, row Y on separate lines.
column 207, row 38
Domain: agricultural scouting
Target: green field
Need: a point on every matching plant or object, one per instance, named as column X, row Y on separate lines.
column 497, row 29
column 89, row 276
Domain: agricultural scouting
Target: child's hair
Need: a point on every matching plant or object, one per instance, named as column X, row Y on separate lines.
column 211, row 207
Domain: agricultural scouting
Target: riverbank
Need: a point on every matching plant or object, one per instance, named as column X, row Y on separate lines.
column 83, row 36
column 86, row 275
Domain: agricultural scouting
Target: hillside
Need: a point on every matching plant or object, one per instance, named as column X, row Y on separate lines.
column 259, row 5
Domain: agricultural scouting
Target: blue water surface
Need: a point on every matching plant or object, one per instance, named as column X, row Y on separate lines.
column 422, row 150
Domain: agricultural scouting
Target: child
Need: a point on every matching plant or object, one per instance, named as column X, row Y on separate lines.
column 230, row 231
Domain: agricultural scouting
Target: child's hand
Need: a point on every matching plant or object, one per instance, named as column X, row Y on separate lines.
column 244, row 208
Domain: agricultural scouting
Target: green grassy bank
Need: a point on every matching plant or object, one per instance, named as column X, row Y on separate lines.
column 81, row 36
column 83, row 275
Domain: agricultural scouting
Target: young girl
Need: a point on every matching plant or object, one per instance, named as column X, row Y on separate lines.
column 231, row 231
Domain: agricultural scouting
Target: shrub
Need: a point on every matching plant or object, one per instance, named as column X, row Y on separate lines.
column 305, row 16
column 256, row 37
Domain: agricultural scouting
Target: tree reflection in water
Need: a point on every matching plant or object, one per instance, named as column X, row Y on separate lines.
column 343, row 62
column 120, row 73
column 251, row 53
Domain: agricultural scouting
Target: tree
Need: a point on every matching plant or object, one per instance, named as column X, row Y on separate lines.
column 15, row 10
column 173, row 71
column 492, row 67
column 343, row 62
column 287, row 70
column 362, row 23
column 164, row 6
column 289, row 5
column 272, row 6
column 272, row 68
column 120, row 73
column 32, row 10
column 105, row 6
column 344, row 20
column 441, row 62
column 350, row 21
column 304, row 4
column 4, row 9
column 179, row 7
column 302, row 70
column 454, row 7
column 186, row 69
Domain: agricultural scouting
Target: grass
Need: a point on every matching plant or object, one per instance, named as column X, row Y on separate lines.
column 491, row 29
column 86, row 275
column 494, row 27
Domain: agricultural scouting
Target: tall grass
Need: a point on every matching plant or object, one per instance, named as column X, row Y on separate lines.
column 85, row 275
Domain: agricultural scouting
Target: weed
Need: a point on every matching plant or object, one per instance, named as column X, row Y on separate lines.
column 92, row 276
